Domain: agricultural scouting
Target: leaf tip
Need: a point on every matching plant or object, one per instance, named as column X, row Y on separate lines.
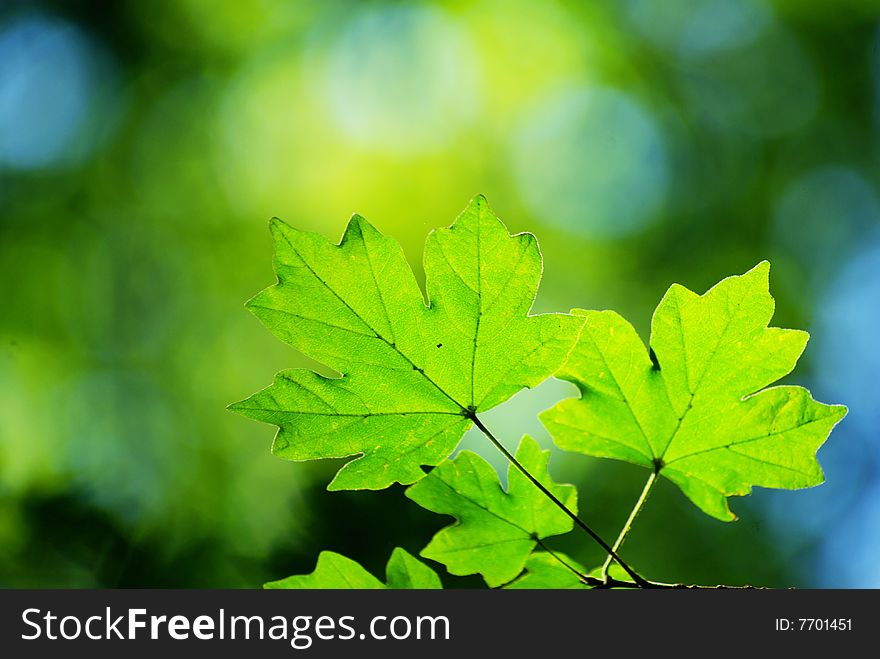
column 721, row 512
column 478, row 207
column 277, row 225
column 760, row 271
column 279, row 445
column 357, row 223
column 478, row 200
column 253, row 303
column 354, row 229
column 246, row 408
column 236, row 406
column 528, row 444
column 839, row 412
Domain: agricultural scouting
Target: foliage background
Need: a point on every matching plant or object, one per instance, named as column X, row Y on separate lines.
column 144, row 146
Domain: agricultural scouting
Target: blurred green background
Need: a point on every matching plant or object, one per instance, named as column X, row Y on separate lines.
column 145, row 145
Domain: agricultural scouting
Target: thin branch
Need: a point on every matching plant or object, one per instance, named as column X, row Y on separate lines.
column 619, row 583
column 577, row 520
column 629, row 522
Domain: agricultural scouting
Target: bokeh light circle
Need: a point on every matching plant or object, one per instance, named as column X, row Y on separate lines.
column 592, row 161
column 822, row 216
column 766, row 87
column 53, row 87
column 697, row 28
column 846, row 339
column 402, row 79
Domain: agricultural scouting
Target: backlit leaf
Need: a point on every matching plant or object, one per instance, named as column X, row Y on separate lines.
column 695, row 407
column 411, row 373
column 335, row 571
column 496, row 530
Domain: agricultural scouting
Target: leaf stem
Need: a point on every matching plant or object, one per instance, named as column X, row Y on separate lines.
column 629, row 522
column 547, row 493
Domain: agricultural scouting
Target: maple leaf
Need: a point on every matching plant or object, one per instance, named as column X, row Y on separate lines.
column 496, row 530
column 695, row 408
column 412, row 375
column 557, row 571
column 549, row 571
column 335, row 571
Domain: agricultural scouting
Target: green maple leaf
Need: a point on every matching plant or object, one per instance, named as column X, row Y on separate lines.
column 412, row 375
column 557, row 571
column 335, row 571
column 496, row 530
column 546, row 571
column 695, row 408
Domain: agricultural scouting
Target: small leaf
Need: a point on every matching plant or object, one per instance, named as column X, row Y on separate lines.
column 411, row 374
column 558, row 571
column 614, row 571
column 335, row 571
column 405, row 572
column 546, row 571
column 496, row 530
column 694, row 408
